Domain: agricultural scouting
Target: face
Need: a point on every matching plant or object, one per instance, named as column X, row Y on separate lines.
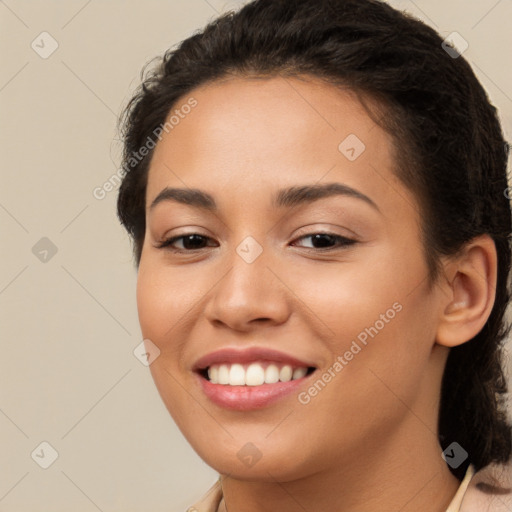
column 264, row 279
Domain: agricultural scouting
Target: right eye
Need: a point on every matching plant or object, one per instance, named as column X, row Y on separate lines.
column 189, row 242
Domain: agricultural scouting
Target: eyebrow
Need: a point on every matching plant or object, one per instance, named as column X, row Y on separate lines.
column 285, row 198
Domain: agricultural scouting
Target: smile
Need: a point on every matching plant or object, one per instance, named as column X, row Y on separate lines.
column 252, row 378
column 254, row 374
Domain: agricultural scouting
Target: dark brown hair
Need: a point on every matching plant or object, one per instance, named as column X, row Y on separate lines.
column 449, row 151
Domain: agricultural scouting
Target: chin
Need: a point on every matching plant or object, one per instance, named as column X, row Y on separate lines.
column 255, row 461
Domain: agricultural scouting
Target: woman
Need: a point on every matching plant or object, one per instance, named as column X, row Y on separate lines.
column 316, row 192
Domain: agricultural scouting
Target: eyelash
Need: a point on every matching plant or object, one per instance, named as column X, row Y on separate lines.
column 342, row 241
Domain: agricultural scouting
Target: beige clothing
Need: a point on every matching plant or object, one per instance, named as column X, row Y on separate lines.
column 473, row 494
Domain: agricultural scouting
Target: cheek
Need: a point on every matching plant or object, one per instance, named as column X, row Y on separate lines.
column 150, row 305
column 348, row 297
column 162, row 305
column 381, row 366
column 159, row 309
column 165, row 300
column 378, row 318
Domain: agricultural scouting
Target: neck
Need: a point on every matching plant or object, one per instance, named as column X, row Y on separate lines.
column 393, row 474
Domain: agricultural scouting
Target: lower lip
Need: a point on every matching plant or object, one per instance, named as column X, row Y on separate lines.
column 245, row 398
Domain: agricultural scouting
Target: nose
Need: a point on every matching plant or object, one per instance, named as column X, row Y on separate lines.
column 250, row 294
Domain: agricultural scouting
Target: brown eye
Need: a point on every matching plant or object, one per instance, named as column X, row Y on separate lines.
column 327, row 241
column 190, row 242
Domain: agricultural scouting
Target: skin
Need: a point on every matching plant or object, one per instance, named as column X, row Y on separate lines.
column 375, row 423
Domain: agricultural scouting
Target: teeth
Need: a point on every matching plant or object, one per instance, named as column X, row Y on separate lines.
column 286, row 373
column 298, row 373
column 213, row 374
column 223, row 374
column 271, row 374
column 237, row 375
column 254, row 374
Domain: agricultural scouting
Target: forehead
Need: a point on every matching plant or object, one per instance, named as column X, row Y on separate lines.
column 254, row 135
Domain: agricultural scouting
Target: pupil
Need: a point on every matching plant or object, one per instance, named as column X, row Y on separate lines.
column 318, row 238
column 196, row 240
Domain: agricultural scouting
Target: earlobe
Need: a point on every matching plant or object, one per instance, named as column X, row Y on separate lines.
column 469, row 293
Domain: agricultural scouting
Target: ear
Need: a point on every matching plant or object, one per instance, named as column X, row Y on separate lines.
column 469, row 292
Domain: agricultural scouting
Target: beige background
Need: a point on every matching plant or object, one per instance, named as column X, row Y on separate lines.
column 69, row 324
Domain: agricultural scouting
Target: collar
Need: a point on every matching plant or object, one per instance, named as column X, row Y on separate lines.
column 456, row 502
column 468, row 498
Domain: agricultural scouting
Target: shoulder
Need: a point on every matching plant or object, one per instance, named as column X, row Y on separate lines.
column 490, row 490
column 210, row 501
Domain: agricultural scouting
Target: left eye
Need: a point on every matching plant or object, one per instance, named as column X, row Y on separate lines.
column 326, row 241
column 195, row 241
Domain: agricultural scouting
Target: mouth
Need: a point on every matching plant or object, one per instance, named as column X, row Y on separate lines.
column 256, row 373
column 249, row 379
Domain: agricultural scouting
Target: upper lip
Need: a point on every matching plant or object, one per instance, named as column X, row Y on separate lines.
column 247, row 355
